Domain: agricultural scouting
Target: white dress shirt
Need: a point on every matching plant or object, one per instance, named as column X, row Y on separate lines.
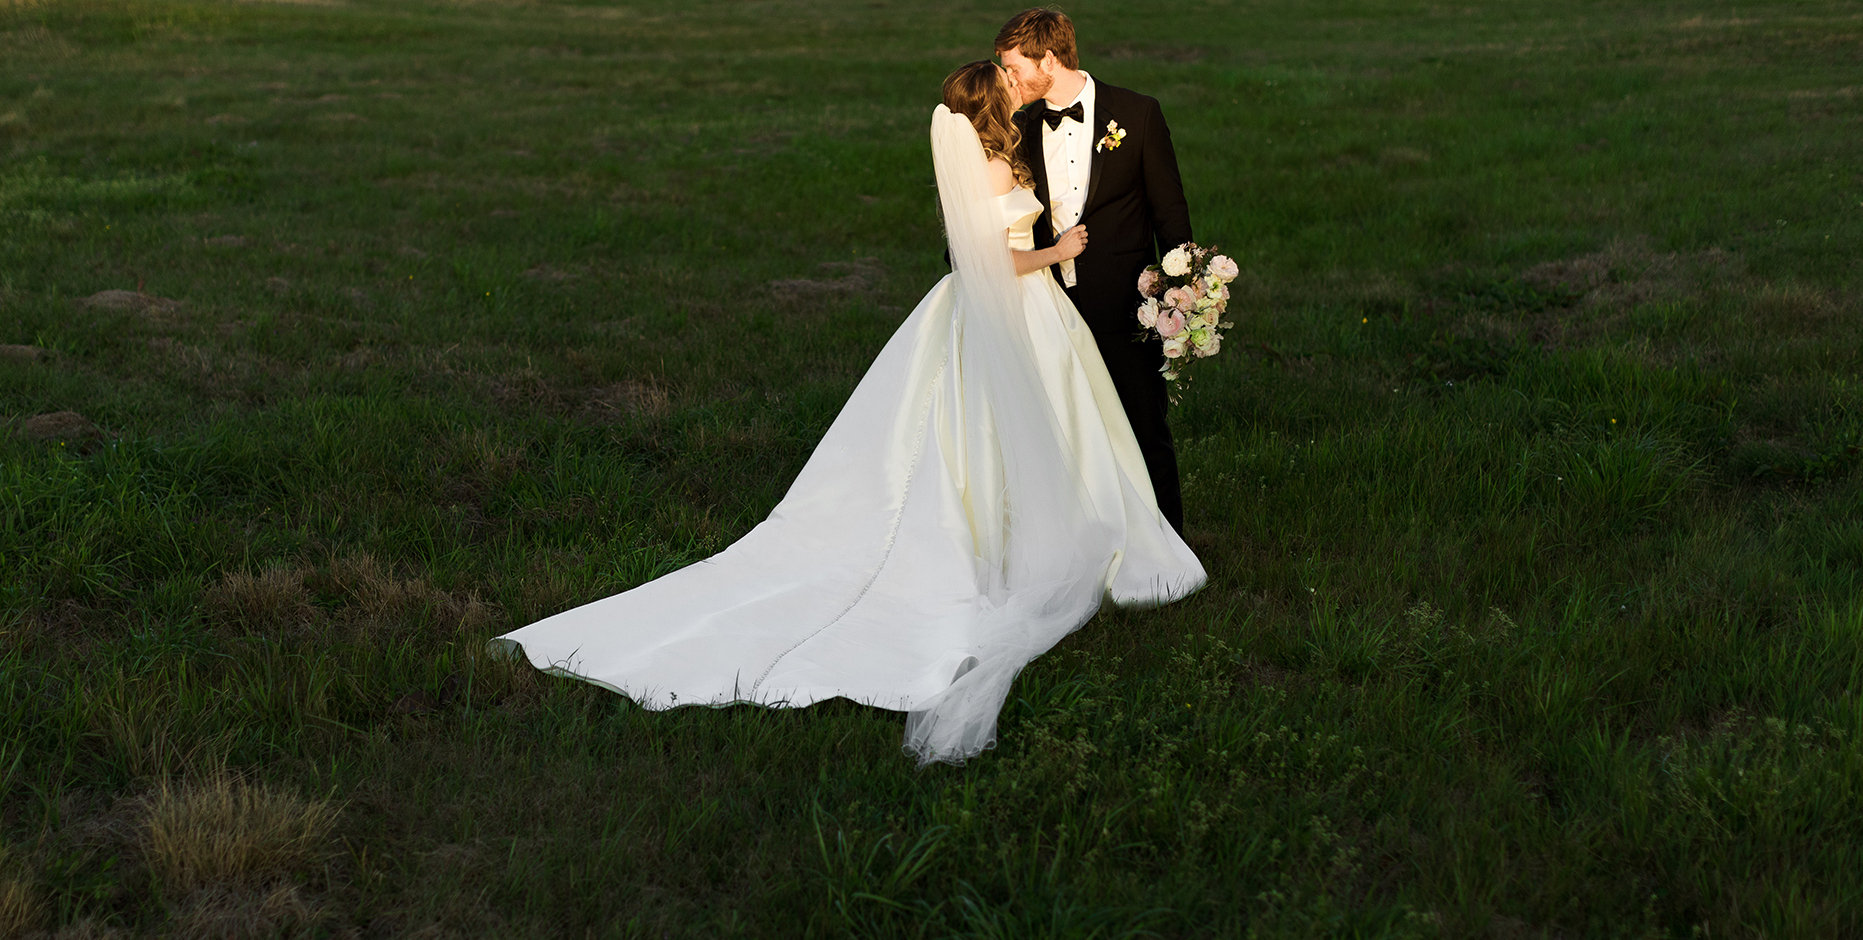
column 1068, row 152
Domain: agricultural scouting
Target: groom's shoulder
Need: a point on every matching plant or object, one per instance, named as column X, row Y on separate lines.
column 1116, row 96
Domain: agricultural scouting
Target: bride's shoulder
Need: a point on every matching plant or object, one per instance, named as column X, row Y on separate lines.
column 1002, row 176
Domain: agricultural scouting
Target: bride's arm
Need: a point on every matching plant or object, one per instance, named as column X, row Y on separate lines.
column 1071, row 243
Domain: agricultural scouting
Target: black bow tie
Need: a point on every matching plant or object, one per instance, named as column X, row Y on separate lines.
column 1053, row 117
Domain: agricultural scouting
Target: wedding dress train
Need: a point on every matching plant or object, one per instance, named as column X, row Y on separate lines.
column 975, row 501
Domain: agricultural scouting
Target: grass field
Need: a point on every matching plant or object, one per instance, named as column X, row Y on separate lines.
column 1529, row 482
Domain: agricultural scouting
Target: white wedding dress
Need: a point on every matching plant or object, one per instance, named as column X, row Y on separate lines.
column 975, row 501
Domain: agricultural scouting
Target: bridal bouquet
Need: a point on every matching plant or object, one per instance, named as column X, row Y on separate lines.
column 1185, row 299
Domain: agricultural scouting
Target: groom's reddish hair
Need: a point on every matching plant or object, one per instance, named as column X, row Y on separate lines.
column 1038, row 31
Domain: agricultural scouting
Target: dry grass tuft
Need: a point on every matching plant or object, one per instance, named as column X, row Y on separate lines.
column 270, row 602
column 146, row 740
column 628, row 398
column 182, row 355
column 282, row 910
column 20, row 907
column 526, row 387
column 380, row 599
column 223, row 831
column 89, row 928
column 369, row 596
column 488, row 457
column 1792, row 308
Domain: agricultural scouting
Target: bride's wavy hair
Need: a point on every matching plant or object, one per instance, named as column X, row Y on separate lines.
column 977, row 92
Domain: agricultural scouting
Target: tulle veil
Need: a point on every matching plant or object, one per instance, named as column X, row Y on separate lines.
column 1043, row 557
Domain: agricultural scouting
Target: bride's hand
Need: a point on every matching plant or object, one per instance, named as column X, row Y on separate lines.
column 1072, row 242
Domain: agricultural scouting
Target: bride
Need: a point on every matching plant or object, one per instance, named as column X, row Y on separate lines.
column 975, row 501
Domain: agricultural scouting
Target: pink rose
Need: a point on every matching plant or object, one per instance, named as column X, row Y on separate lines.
column 1148, row 312
column 1174, row 347
column 1224, row 267
column 1148, row 283
column 1170, row 324
column 1180, row 298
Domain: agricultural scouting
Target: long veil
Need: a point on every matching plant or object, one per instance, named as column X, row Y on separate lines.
column 1042, row 554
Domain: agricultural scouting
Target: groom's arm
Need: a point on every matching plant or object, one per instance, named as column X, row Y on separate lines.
column 1164, row 187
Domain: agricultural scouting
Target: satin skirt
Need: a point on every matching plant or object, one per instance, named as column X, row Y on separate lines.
column 867, row 581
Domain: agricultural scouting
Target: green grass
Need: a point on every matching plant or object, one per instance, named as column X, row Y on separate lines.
column 1528, row 484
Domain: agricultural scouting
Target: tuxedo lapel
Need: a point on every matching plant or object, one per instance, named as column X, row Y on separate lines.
column 1097, row 162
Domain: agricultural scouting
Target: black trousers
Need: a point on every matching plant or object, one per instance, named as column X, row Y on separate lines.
column 1133, row 367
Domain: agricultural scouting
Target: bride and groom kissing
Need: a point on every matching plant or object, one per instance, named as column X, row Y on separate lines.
column 1002, row 469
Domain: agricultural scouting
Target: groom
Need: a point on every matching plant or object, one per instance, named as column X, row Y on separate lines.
column 1102, row 157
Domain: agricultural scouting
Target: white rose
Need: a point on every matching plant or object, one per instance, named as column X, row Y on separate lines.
column 1148, row 312
column 1175, row 346
column 1224, row 267
column 1177, row 262
column 1211, row 346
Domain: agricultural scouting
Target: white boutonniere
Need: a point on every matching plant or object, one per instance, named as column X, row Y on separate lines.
column 1115, row 135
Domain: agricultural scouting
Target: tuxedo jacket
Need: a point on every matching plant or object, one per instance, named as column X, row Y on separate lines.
column 1135, row 208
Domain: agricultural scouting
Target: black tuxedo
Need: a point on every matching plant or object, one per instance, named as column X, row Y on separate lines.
column 1135, row 210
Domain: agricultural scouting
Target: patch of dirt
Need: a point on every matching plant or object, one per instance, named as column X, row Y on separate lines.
column 1626, row 274
column 861, row 276
column 130, row 300
column 550, row 272
column 1627, row 280
column 1404, row 155
column 1254, row 673
column 17, row 353
column 59, row 426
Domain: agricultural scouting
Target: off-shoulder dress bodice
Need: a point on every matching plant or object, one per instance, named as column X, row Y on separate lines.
column 1021, row 207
